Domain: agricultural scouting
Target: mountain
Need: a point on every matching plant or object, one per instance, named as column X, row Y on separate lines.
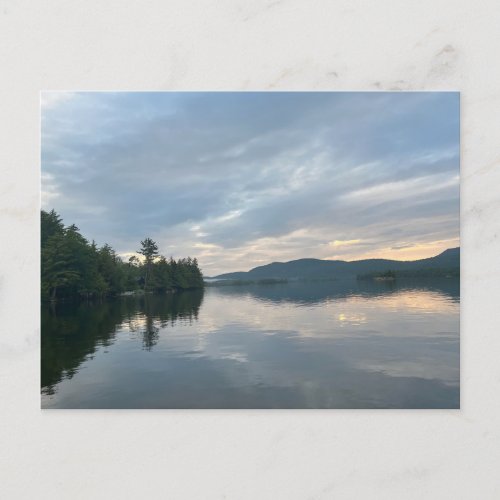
column 317, row 268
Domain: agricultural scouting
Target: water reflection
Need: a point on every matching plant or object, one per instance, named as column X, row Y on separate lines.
column 317, row 292
column 72, row 333
column 301, row 345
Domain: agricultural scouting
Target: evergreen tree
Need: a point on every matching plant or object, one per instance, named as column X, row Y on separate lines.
column 72, row 267
column 150, row 250
column 51, row 224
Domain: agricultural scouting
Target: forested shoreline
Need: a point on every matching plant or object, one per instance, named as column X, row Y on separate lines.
column 74, row 268
column 447, row 272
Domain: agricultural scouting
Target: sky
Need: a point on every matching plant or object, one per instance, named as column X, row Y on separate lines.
column 242, row 179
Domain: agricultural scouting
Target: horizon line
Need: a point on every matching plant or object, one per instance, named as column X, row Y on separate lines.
column 337, row 260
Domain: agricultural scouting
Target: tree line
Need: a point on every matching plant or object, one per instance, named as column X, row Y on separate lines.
column 73, row 267
column 434, row 272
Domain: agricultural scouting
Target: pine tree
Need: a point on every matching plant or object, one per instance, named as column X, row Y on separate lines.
column 150, row 251
column 72, row 267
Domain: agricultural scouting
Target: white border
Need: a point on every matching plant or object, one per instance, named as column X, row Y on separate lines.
column 283, row 45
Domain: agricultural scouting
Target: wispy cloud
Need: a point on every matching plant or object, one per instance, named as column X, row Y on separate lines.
column 344, row 243
column 240, row 179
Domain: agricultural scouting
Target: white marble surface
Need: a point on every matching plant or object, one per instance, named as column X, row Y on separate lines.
column 287, row 44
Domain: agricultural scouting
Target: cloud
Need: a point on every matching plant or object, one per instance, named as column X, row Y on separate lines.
column 344, row 243
column 238, row 179
column 205, row 245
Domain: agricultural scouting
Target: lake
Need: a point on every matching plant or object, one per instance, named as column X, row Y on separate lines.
column 297, row 345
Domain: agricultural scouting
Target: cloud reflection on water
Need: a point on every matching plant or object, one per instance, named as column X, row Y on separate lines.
column 398, row 349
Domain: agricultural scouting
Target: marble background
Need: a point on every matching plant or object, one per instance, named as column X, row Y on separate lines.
column 259, row 44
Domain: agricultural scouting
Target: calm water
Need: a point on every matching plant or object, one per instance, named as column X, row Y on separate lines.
column 302, row 345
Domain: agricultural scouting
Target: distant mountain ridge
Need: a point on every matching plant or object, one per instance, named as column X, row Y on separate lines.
column 317, row 268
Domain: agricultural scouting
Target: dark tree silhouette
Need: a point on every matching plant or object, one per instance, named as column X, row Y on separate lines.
column 150, row 251
column 71, row 267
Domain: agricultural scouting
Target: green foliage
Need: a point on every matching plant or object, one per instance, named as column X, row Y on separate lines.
column 453, row 272
column 51, row 224
column 150, row 251
column 388, row 275
column 72, row 267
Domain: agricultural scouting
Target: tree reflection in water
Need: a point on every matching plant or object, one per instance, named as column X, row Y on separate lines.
column 72, row 332
column 335, row 344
